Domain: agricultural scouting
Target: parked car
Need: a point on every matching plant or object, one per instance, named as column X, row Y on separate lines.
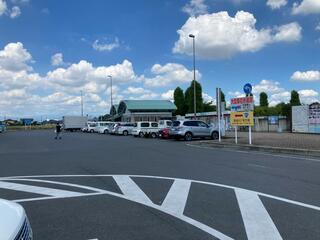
column 164, row 126
column 105, row 129
column 90, row 127
column 100, row 125
column 2, row 127
column 143, row 129
column 189, row 129
column 124, row 128
column 14, row 224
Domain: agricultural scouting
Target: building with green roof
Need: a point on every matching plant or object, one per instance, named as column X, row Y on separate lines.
column 142, row 110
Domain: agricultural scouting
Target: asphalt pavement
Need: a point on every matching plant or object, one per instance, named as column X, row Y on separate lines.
column 91, row 186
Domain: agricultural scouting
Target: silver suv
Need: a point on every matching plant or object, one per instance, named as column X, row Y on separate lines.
column 189, row 129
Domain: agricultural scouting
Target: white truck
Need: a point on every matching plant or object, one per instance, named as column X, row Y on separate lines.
column 74, row 123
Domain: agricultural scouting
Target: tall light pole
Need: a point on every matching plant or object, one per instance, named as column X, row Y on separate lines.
column 81, row 103
column 109, row 76
column 194, row 75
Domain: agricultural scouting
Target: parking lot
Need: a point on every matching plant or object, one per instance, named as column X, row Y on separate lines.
column 95, row 186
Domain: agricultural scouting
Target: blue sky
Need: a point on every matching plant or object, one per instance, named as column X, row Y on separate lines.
column 51, row 50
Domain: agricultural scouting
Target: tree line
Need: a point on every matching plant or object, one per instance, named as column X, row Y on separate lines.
column 184, row 102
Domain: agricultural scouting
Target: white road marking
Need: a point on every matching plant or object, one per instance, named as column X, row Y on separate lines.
column 257, row 222
column 177, row 196
column 38, row 190
column 131, row 189
column 171, row 178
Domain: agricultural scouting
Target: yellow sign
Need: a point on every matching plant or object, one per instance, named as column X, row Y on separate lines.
column 241, row 119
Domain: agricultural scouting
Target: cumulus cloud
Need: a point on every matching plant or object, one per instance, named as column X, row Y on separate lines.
column 306, row 7
column 169, row 74
column 288, row 33
column 15, row 12
column 276, row 4
column 207, row 98
column 219, row 35
column 105, row 47
column 57, row 59
column 14, row 57
column 3, row 7
column 136, row 90
column 195, row 7
column 168, row 95
column 308, row 76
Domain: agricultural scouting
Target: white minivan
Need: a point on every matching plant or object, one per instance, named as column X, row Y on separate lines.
column 14, row 223
column 143, row 129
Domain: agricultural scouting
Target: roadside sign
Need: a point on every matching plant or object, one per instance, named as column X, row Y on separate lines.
column 247, row 88
column 244, row 104
column 241, row 119
column 273, row 120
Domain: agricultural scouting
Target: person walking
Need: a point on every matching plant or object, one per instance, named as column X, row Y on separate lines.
column 58, row 131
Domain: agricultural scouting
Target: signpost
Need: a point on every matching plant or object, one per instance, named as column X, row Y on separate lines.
column 242, row 112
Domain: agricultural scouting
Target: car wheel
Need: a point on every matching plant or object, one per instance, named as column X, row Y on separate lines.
column 91, row 131
column 106, row 132
column 214, row 135
column 188, row 136
column 141, row 134
column 153, row 135
column 125, row 133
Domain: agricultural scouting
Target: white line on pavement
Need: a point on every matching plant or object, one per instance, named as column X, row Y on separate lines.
column 177, row 196
column 38, row 190
column 131, row 189
column 257, row 222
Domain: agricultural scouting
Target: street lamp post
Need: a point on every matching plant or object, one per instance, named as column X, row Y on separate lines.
column 194, row 75
column 81, row 103
column 109, row 76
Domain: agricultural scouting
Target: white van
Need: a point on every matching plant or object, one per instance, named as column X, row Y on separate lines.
column 142, row 129
column 165, row 124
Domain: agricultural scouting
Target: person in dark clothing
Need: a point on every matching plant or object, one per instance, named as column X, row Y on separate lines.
column 58, row 131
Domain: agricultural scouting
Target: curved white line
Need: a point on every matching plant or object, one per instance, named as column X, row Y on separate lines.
column 171, row 178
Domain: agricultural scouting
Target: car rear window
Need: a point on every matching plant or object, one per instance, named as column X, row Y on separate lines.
column 169, row 123
column 145, row 124
column 176, row 123
column 154, row 124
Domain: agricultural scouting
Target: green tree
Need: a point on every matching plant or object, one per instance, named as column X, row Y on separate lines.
column 264, row 99
column 179, row 101
column 295, row 99
column 208, row 107
column 223, row 97
column 189, row 97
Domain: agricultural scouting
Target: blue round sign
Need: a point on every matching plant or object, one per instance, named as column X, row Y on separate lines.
column 247, row 88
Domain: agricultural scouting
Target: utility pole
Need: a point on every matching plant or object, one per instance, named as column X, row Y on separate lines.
column 81, row 103
column 111, row 100
column 194, row 75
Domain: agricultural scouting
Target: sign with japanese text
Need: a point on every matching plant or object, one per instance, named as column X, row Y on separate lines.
column 242, row 111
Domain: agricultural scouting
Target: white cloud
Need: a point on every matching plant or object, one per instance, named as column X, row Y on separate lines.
column 276, row 4
column 288, row 33
column 207, row 98
column 306, row 7
column 77, row 75
column 57, row 59
column 3, row 7
column 308, row 76
column 318, row 27
column 136, row 90
column 105, row 47
column 14, row 57
column 169, row 74
column 219, row 35
column 308, row 96
column 195, row 7
column 15, row 12
column 168, row 95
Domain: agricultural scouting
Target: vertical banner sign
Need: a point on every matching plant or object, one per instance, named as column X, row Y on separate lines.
column 242, row 111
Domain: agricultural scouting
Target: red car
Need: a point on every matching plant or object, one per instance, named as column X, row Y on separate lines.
column 164, row 133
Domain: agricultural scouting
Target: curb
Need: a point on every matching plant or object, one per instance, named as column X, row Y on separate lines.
column 295, row 151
